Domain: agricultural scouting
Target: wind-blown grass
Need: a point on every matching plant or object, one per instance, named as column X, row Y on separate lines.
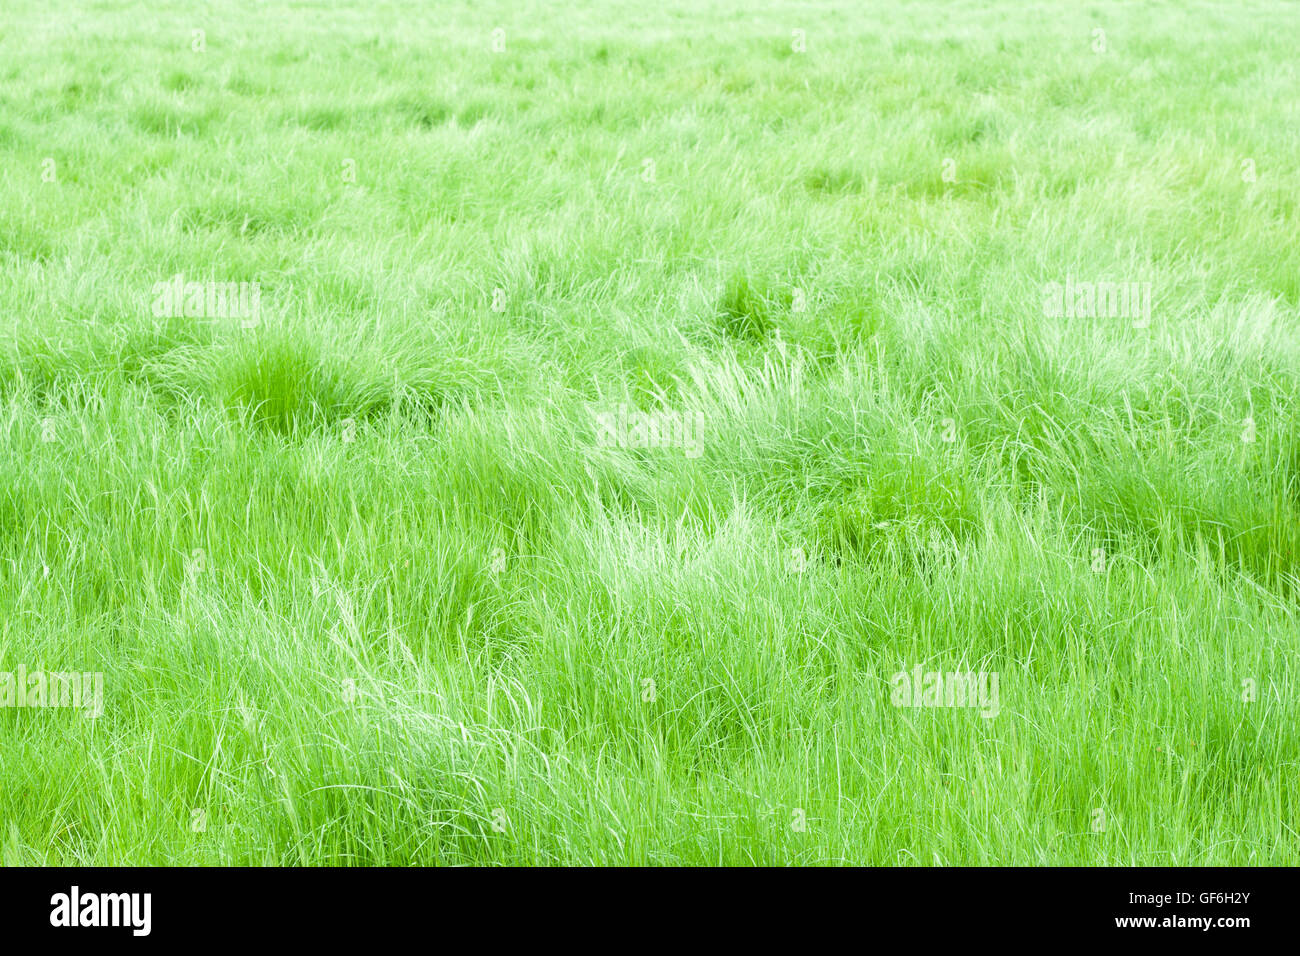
column 367, row 586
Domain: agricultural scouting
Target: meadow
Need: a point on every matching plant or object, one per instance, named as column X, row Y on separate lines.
column 543, row 433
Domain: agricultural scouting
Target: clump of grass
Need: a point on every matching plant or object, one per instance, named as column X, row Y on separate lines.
column 652, row 374
column 424, row 112
column 278, row 381
column 834, row 180
column 745, row 309
column 905, row 507
column 178, row 81
column 165, row 119
column 324, row 118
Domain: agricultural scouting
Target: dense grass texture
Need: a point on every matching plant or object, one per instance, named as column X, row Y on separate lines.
column 636, row 389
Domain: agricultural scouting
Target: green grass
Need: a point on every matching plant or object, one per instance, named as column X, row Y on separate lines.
column 366, row 588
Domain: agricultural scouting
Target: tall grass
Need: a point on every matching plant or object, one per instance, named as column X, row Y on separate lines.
column 366, row 587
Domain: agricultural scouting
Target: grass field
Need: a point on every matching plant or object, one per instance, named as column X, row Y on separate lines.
column 622, row 397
